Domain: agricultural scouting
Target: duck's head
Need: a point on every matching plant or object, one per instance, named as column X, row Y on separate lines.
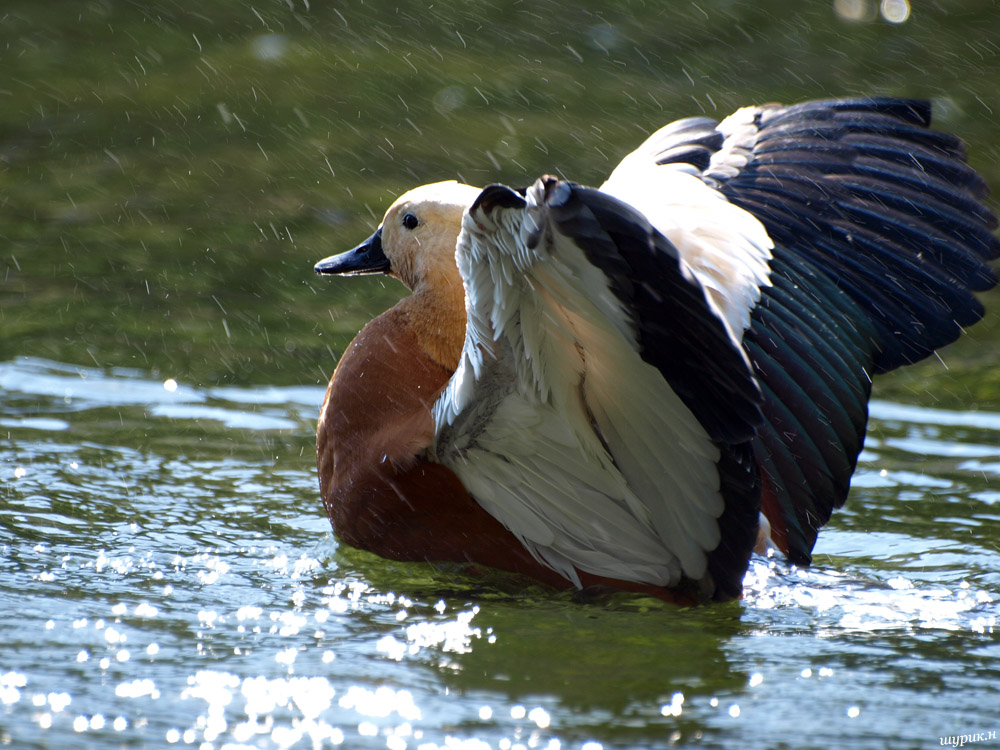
column 415, row 242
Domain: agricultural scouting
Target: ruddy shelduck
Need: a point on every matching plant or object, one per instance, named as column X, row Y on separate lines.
column 632, row 386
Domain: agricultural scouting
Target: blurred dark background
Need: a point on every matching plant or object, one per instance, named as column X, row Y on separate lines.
column 170, row 170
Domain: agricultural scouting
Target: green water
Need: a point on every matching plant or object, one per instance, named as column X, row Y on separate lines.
column 169, row 171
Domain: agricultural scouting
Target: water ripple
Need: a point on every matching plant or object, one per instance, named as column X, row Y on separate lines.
column 175, row 583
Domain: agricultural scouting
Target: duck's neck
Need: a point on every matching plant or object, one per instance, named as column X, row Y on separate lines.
column 436, row 312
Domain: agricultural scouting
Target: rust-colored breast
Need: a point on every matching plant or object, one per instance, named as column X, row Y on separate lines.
column 378, row 494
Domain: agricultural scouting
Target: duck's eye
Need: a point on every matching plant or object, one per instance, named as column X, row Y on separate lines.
column 410, row 221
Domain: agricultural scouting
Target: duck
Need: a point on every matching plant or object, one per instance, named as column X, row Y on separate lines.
column 636, row 386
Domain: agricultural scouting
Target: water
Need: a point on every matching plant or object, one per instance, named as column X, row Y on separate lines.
column 170, row 171
column 172, row 581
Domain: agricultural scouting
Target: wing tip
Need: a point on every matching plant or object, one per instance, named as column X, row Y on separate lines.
column 497, row 196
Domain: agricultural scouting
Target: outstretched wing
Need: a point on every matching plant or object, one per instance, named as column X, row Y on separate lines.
column 602, row 409
column 880, row 239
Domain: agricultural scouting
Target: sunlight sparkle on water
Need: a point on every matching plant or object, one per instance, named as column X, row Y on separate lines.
column 291, row 623
column 262, row 698
column 58, row 701
column 286, row 656
column 380, row 702
column 249, row 613
column 863, row 606
column 137, row 689
column 541, row 717
column 9, row 687
column 454, row 636
column 394, row 648
column 675, row 707
column 146, row 610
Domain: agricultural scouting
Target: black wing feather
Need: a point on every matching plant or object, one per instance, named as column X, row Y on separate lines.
column 881, row 239
column 811, row 348
column 682, row 337
column 879, row 221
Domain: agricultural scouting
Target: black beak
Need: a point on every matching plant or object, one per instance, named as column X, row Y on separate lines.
column 366, row 258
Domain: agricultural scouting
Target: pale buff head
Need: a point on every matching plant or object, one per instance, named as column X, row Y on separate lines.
column 416, row 244
column 420, row 230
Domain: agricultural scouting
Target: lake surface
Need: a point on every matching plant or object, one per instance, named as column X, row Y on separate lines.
column 169, row 579
column 170, row 171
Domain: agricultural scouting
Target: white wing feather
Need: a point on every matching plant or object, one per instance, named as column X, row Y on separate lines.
column 725, row 247
column 549, row 382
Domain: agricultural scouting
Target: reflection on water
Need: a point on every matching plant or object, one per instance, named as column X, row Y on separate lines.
column 186, row 592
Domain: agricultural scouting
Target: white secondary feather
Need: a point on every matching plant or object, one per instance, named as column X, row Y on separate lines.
column 556, row 425
column 727, row 248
